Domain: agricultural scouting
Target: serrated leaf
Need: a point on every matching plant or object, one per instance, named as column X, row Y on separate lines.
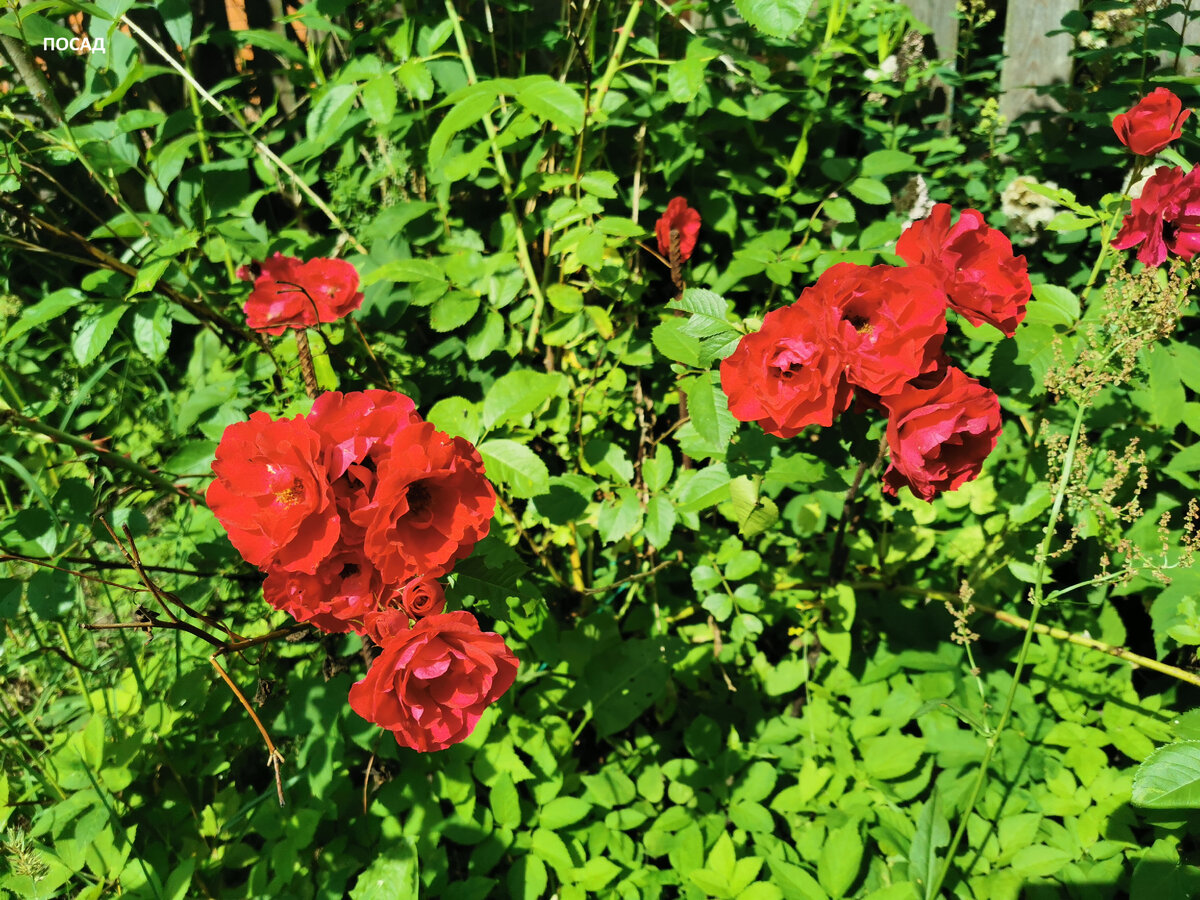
column 1169, row 778
column 776, row 18
column 465, row 113
column 152, row 330
column 48, row 309
column 94, row 331
column 841, row 856
column 453, row 310
column 659, row 521
column 625, row 682
column 515, row 466
column 708, row 409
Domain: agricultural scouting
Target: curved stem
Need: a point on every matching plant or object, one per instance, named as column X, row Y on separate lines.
column 1037, row 599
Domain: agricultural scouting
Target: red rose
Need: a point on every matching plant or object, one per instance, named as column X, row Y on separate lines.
column 975, row 265
column 939, row 435
column 429, row 505
column 359, row 424
column 431, row 684
column 892, row 321
column 1165, row 218
column 421, row 598
column 272, row 493
column 336, row 598
column 1153, row 123
column 791, row 372
column 381, row 625
column 678, row 217
column 289, row 293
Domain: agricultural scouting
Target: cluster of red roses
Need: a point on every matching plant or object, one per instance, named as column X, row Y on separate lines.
column 1166, row 216
column 876, row 331
column 289, row 293
column 353, row 512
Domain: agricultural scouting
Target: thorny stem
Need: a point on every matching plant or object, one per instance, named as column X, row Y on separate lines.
column 1037, row 599
column 306, row 362
column 274, row 757
column 506, row 183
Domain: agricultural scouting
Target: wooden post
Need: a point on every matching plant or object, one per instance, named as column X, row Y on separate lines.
column 942, row 17
column 1031, row 57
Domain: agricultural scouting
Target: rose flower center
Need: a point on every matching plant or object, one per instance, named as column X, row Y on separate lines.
column 792, row 355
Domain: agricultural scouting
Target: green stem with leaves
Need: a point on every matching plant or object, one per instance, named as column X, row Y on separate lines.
column 1038, row 600
column 506, row 183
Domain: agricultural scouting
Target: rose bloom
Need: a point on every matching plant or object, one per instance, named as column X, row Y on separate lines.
column 289, row 293
column 1165, row 218
column 939, row 432
column 430, row 684
column 338, row 597
column 678, row 217
column 430, row 503
column 359, row 425
column 892, row 321
column 790, row 373
column 975, row 264
column 1154, row 122
column 272, row 493
column 421, row 598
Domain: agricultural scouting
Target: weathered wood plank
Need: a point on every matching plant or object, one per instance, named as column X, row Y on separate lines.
column 939, row 15
column 1032, row 57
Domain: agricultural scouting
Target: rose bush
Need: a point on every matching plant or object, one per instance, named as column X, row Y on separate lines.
column 1165, row 218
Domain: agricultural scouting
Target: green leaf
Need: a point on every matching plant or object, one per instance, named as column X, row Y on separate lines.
column 841, row 856
column 659, row 521
column 933, row 833
column 379, row 98
column 152, row 330
column 1166, row 388
column 516, row 394
column 671, row 340
column 870, row 190
column 563, row 811
column 892, row 755
column 625, row 682
column 329, row 112
column 708, row 409
column 393, row 874
column 455, row 309
column 465, row 113
column 51, row 308
column 619, row 517
column 1169, row 778
column 775, row 18
column 551, row 849
column 505, row 803
column 887, row 162
column 527, row 879
column 706, row 487
column 552, row 101
column 515, row 466
column 1052, row 305
column 93, row 332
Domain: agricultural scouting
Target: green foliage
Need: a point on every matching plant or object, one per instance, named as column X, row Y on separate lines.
column 732, row 682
